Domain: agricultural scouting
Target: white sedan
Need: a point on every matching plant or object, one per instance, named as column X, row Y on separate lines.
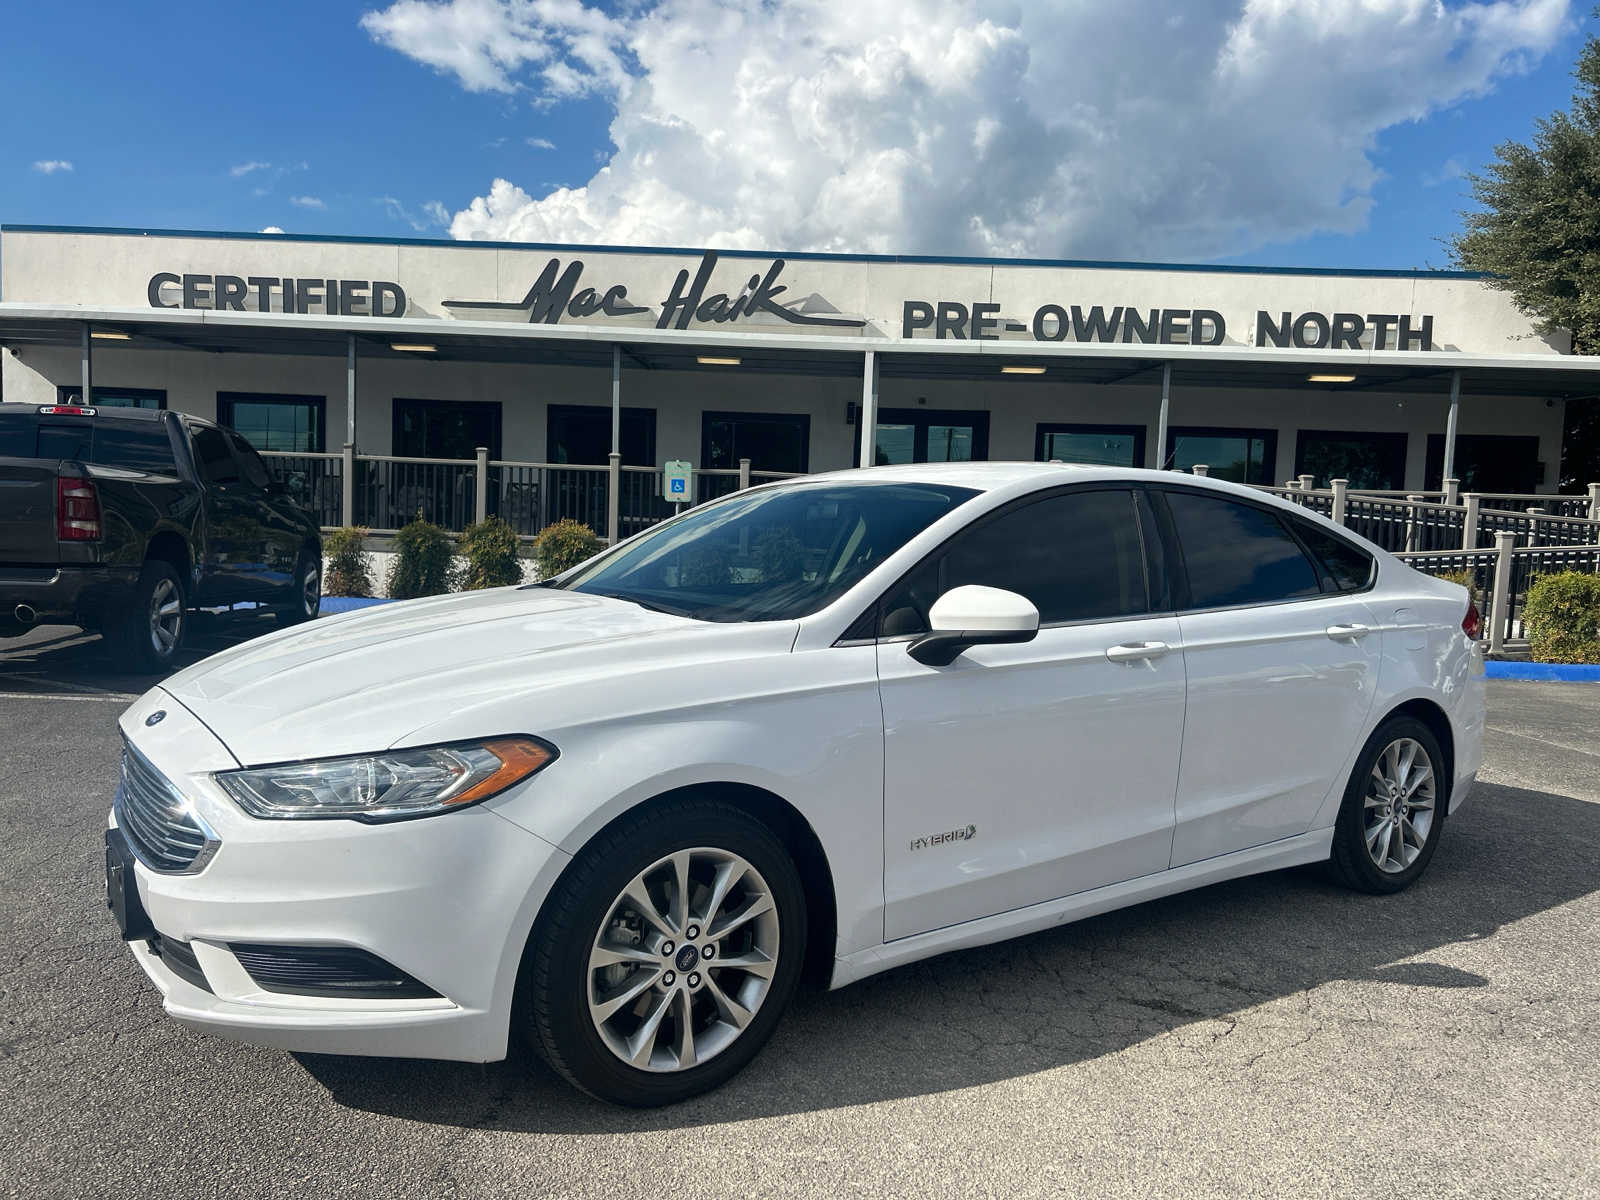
column 835, row 724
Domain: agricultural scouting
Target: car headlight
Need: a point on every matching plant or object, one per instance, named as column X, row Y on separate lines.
column 389, row 786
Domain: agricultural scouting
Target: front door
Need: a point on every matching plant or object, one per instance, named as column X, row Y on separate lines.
column 235, row 542
column 1023, row 773
column 1282, row 671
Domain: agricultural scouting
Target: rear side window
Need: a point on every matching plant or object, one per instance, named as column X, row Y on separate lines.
column 212, row 456
column 1077, row 556
column 255, row 471
column 1348, row 565
column 1238, row 553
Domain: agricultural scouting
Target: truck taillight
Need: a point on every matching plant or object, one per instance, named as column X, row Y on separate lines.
column 1472, row 623
column 77, row 510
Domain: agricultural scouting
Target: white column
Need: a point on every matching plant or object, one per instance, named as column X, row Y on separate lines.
column 350, row 394
column 480, row 496
column 1500, row 604
column 1161, row 421
column 616, row 405
column 1469, row 521
column 1450, row 426
column 88, row 367
column 869, row 409
column 1341, row 497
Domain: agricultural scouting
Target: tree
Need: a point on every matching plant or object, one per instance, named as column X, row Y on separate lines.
column 1538, row 235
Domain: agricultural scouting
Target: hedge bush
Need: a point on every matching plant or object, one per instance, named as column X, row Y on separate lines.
column 564, row 545
column 422, row 561
column 491, row 550
column 348, row 573
column 1562, row 617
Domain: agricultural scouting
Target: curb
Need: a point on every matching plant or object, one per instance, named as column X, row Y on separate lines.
column 1547, row 672
column 344, row 604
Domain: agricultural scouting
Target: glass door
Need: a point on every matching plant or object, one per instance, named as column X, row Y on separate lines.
column 914, row 435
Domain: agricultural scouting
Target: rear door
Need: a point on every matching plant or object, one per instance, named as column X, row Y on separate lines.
column 235, row 544
column 280, row 538
column 1022, row 773
column 1282, row 662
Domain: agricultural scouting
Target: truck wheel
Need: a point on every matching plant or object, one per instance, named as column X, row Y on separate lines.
column 148, row 633
column 307, row 601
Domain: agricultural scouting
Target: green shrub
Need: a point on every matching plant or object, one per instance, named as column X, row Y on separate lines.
column 1562, row 617
column 491, row 550
column 348, row 573
column 422, row 564
column 564, row 545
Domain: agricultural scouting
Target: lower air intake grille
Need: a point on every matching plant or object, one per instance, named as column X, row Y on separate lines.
column 328, row 971
column 180, row 960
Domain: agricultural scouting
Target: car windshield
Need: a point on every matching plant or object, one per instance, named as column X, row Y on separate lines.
column 774, row 554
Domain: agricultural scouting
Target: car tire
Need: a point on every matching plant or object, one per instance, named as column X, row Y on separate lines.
column 592, row 916
column 307, row 601
column 146, row 635
column 1394, row 809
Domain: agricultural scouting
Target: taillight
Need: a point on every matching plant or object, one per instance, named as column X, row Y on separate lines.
column 1472, row 623
column 77, row 510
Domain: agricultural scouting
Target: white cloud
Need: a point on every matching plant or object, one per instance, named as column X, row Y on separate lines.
column 49, row 166
column 540, row 143
column 433, row 213
column 1449, row 170
column 244, row 168
column 272, row 229
column 437, row 212
column 307, row 201
column 1048, row 127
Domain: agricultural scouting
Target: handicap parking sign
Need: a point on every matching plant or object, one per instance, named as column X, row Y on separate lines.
column 677, row 481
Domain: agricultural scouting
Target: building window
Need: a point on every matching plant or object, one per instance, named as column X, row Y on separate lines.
column 1242, row 455
column 771, row 441
column 445, row 428
column 1487, row 463
column 1376, row 461
column 581, row 433
column 1096, row 445
column 272, row 421
column 115, row 397
column 914, row 435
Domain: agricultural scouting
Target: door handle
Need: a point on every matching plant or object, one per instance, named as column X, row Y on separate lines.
column 1137, row 651
column 1338, row 632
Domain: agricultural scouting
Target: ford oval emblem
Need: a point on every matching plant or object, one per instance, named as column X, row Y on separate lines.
column 156, row 717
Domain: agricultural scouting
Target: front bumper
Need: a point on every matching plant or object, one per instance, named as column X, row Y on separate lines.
column 447, row 899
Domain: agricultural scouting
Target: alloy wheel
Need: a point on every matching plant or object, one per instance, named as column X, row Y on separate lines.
column 1398, row 808
column 165, row 617
column 311, row 590
column 683, row 960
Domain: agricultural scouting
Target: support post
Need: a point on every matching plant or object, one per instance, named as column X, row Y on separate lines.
column 1500, row 603
column 1452, row 491
column 347, row 486
column 1161, row 420
column 1201, row 469
column 869, row 409
column 480, row 495
column 1469, row 521
column 1594, row 502
column 350, row 391
column 88, row 367
column 1341, row 497
column 1411, row 522
column 1450, row 425
column 616, row 403
column 744, row 474
column 614, row 498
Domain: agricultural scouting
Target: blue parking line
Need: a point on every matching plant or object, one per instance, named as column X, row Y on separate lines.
column 1564, row 672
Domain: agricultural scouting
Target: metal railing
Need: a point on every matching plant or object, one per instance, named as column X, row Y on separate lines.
column 315, row 480
column 1502, row 576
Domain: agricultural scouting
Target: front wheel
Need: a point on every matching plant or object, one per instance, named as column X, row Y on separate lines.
column 1393, row 810
column 667, row 954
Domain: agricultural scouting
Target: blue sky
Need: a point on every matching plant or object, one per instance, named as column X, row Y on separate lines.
column 161, row 113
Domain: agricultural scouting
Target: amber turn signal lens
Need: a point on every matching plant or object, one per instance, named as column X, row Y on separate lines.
column 519, row 758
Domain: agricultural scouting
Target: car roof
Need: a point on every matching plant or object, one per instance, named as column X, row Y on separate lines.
column 993, row 476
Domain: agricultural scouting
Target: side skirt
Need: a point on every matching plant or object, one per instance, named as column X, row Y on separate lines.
column 1311, row 847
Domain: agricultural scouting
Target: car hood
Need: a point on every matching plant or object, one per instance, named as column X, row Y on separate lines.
column 364, row 680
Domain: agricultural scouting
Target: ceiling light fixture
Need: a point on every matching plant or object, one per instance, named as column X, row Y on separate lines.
column 413, row 347
column 712, row 361
column 1022, row 370
column 110, row 335
column 1331, row 378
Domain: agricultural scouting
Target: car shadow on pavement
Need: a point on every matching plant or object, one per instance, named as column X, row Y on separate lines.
column 61, row 660
column 1070, row 994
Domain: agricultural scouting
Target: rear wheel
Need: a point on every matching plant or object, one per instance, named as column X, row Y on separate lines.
column 148, row 633
column 1393, row 811
column 307, row 600
column 667, row 954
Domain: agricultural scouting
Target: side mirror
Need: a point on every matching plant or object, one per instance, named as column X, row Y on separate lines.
column 974, row 616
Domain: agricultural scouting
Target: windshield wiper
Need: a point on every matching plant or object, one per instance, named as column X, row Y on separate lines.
column 652, row 605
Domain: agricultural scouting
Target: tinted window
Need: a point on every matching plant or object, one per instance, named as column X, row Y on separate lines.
column 255, row 471
column 1237, row 553
column 1076, row 556
column 141, row 447
column 212, row 456
column 64, row 441
column 1349, row 565
column 770, row 554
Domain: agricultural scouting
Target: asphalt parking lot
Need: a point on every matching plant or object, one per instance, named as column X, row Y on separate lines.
column 1270, row 1036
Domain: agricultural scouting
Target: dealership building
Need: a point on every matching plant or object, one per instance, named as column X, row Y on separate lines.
column 565, row 355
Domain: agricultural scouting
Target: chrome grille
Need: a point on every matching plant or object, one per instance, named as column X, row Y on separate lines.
column 161, row 827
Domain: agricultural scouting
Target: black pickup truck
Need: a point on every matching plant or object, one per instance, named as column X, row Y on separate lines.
column 125, row 520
